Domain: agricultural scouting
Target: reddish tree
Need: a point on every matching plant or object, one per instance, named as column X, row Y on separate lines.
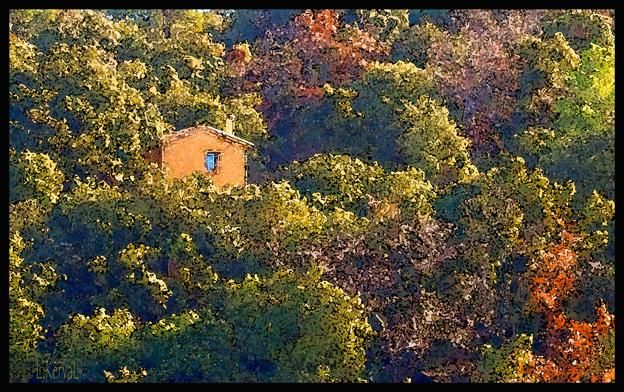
column 573, row 348
column 293, row 62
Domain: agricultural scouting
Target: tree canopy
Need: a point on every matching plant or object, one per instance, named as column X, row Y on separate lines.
column 431, row 197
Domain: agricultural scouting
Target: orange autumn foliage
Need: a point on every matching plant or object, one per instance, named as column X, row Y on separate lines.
column 572, row 347
column 317, row 49
column 555, row 279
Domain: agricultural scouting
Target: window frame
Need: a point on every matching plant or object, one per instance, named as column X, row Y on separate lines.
column 216, row 161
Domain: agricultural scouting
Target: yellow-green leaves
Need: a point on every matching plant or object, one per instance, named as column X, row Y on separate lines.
column 302, row 324
column 341, row 180
column 133, row 258
column 28, row 281
column 534, row 139
column 249, row 122
column 504, row 364
column 397, row 81
column 125, row 376
column 431, row 141
column 102, row 92
column 596, row 220
column 35, row 176
column 579, row 143
column 187, row 266
column 516, row 210
column 414, row 43
column 134, row 69
column 581, row 28
column 22, row 56
column 552, row 56
column 100, row 329
column 174, row 324
column 284, row 218
column 98, row 265
column 91, row 342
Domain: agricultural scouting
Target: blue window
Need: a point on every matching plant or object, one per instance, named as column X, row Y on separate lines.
column 211, row 161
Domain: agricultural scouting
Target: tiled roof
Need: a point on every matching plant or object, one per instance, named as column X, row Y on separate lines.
column 183, row 133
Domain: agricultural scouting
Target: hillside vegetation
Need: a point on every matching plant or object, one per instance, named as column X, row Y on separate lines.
column 431, row 197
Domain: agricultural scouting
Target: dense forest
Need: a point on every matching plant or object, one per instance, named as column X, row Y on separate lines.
column 431, row 198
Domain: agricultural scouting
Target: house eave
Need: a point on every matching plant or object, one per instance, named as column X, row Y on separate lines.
column 183, row 133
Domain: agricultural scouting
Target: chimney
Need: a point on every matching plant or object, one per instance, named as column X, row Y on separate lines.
column 229, row 124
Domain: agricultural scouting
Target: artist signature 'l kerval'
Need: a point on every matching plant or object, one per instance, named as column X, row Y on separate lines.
column 46, row 370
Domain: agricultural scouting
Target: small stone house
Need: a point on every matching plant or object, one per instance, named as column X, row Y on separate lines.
column 204, row 149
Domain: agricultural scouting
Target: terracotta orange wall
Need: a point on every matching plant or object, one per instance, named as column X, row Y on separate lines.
column 185, row 156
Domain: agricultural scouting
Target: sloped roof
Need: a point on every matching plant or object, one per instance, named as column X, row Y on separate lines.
column 183, row 133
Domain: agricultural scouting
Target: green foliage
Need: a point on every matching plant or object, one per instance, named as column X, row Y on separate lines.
column 515, row 210
column 581, row 28
column 579, row 144
column 318, row 335
column 133, row 258
column 282, row 218
column 414, row 43
column 385, row 24
column 302, row 328
column 361, row 117
column 98, row 342
column 553, row 57
column 96, row 99
column 391, row 83
column 431, row 142
column 125, row 376
column 417, row 169
column 339, row 181
column 187, row 347
column 30, row 280
column 409, row 190
column 191, row 268
column 502, row 364
column 35, row 176
column 397, row 98
column 25, row 330
column 585, row 126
